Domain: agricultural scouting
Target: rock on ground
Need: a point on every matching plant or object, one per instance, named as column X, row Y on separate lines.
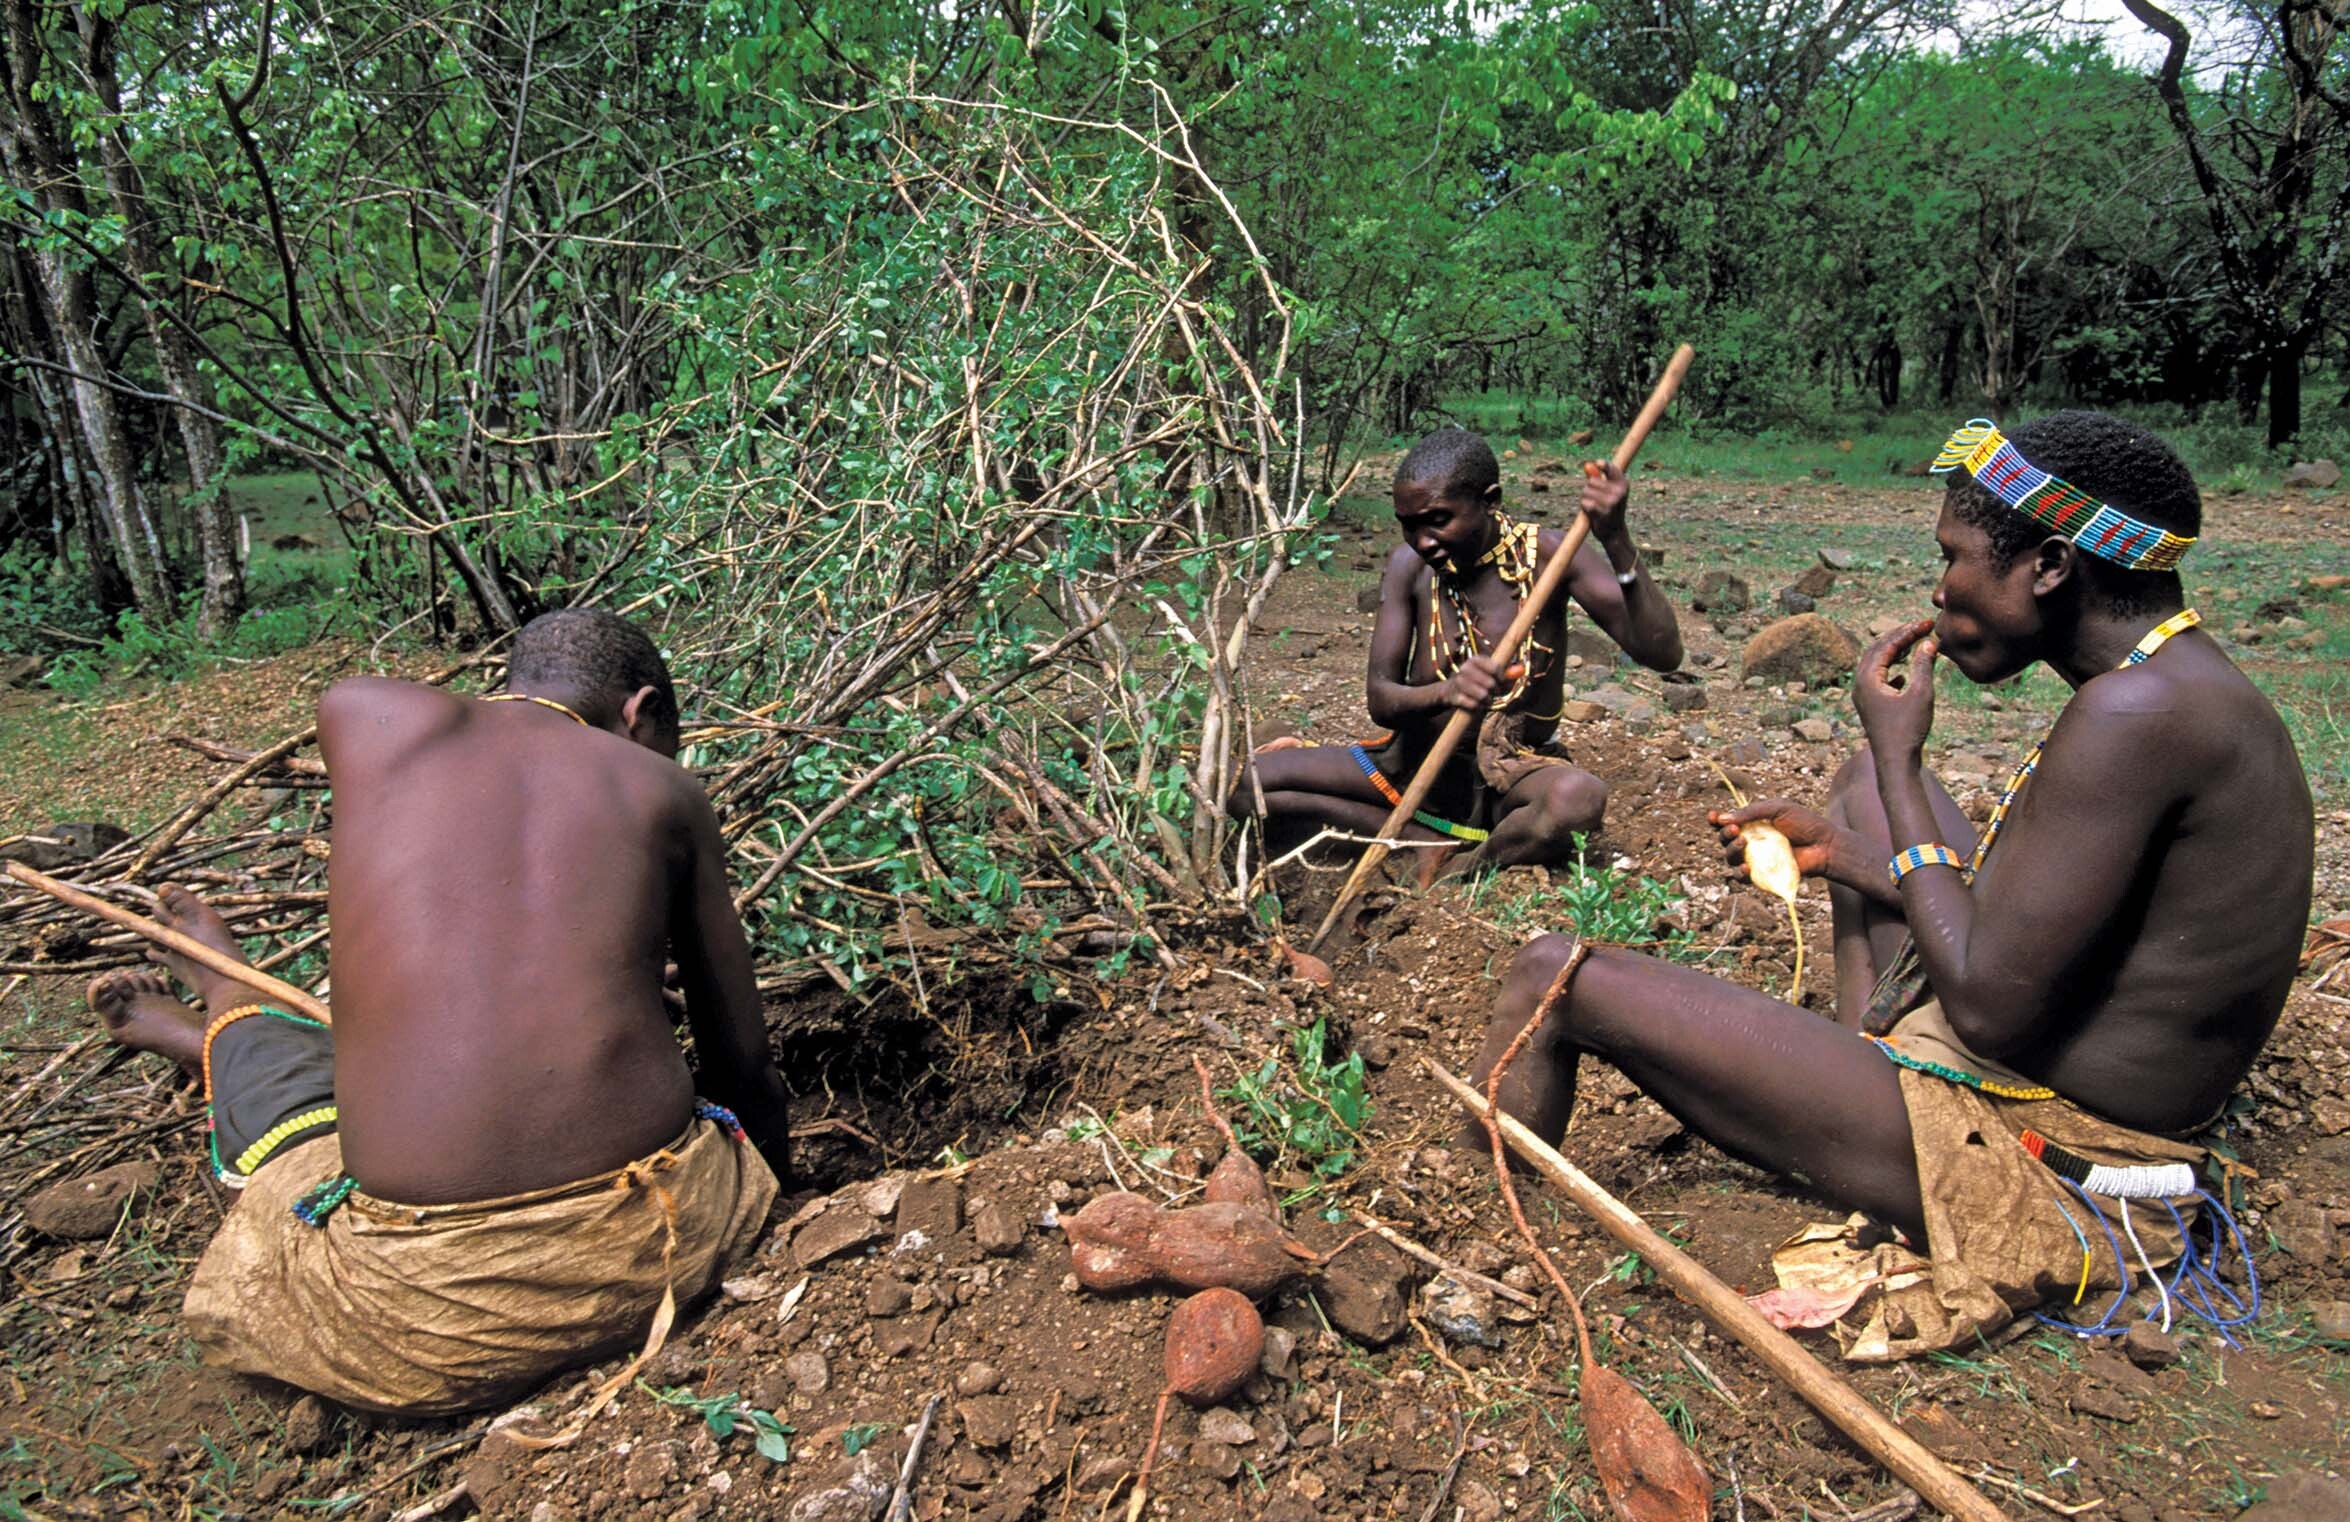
column 2313, row 475
column 1807, row 648
column 86, row 1208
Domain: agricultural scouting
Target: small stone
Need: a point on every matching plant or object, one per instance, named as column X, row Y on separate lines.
column 808, row 1372
column 1221, row 1424
column 840, row 1230
column 1279, row 1360
column 1463, row 1314
column 1817, row 731
column 2313, row 475
column 2302, row 1230
column 2266, row 1410
column 2149, row 1346
column 1838, row 559
column 898, row 1338
column 2331, row 1319
column 1310, row 1485
column 1103, row 1474
column 87, row 1208
column 1816, row 581
column 1793, row 601
column 886, row 1297
column 1367, row 599
column 2107, row 1405
column 859, row 1498
column 2301, row 1495
column 1365, row 1293
column 931, row 1206
column 998, row 1229
column 1477, row 1501
column 307, row 1425
column 1806, row 647
column 1581, row 711
column 880, row 1198
column 652, row 1469
column 749, row 1289
column 990, row 1421
column 1684, row 697
column 977, row 1379
column 1721, row 592
column 1215, row 1458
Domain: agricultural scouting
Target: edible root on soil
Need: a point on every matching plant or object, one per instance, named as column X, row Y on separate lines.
column 1214, row 1342
column 1827, row 1393
column 1647, row 1472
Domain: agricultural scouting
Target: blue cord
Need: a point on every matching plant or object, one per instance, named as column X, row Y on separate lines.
column 2196, row 1276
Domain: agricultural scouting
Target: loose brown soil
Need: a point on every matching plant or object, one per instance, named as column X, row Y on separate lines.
column 953, row 1136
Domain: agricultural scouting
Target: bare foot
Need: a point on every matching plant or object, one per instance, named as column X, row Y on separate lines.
column 184, row 912
column 138, row 1010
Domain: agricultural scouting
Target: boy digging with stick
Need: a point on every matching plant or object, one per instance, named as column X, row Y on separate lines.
column 1449, row 592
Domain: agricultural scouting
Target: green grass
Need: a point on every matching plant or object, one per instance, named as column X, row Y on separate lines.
column 2225, row 455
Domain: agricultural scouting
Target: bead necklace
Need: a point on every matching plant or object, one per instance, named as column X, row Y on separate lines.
column 2156, row 638
column 1514, row 553
column 524, row 697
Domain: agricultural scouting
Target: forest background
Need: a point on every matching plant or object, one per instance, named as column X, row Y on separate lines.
column 949, row 383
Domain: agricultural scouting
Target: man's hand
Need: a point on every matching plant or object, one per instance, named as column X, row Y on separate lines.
column 1479, row 680
column 1605, row 492
column 1896, row 701
column 1815, row 838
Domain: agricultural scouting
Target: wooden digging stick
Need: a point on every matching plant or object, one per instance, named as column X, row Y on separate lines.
column 1545, row 587
column 227, row 966
column 1828, row 1393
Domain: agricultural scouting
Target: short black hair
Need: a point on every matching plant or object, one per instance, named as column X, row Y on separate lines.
column 1456, row 462
column 2112, row 460
column 599, row 659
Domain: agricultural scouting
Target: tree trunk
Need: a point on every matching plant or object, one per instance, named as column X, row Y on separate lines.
column 223, row 600
column 2284, row 394
column 35, row 162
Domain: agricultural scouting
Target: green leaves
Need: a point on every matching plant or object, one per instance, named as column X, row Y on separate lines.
column 726, row 1414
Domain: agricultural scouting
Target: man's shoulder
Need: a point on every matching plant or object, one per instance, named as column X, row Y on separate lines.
column 376, row 704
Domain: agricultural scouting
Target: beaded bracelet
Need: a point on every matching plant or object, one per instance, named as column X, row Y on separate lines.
column 1931, row 854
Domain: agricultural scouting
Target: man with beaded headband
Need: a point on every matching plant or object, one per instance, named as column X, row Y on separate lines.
column 1449, row 591
column 508, row 877
column 2025, row 1038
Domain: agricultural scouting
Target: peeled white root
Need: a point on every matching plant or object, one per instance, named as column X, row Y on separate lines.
column 1770, row 865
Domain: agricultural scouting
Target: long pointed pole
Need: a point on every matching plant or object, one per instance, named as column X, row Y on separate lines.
column 1828, row 1393
column 163, row 935
column 1554, row 573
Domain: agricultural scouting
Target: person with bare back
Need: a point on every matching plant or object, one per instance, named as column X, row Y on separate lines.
column 1450, row 590
column 2028, row 1039
column 494, row 1165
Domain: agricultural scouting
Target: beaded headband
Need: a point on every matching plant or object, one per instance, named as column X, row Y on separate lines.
column 1984, row 453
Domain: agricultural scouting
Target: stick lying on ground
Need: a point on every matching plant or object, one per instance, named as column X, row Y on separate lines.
column 252, row 977
column 1727, row 1309
column 1554, row 573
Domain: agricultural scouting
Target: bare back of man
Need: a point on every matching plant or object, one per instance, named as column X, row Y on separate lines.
column 503, row 886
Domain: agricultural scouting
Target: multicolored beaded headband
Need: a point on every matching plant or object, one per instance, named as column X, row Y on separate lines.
column 2103, row 530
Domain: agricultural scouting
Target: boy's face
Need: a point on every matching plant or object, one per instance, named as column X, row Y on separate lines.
column 1449, row 532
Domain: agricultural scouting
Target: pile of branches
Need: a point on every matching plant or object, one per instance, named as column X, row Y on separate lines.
column 954, row 542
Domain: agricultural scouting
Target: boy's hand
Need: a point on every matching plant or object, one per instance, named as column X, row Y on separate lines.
column 1478, row 681
column 1605, row 491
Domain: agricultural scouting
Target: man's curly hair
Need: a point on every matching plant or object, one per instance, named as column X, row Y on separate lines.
column 598, row 659
column 2112, row 460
